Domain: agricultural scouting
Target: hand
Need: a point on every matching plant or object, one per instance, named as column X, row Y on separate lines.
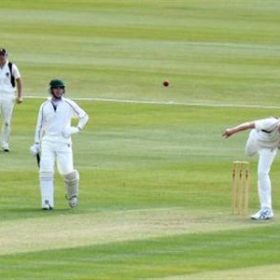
column 19, row 100
column 35, row 149
column 67, row 132
column 227, row 133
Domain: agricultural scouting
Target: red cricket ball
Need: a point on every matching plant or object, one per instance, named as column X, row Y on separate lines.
column 166, row 83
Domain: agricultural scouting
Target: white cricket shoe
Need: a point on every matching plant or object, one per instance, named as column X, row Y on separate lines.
column 73, row 201
column 263, row 214
column 46, row 205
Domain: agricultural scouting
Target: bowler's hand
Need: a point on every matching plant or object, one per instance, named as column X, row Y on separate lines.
column 227, row 133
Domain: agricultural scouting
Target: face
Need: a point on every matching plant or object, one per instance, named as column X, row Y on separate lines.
column 57, row 92
column 3, row 59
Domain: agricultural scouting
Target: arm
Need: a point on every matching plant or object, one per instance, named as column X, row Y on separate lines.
column 19, row 85
column 75, row 129
column 79, row 113
column 82, row 122
column 241, row 127
column 36, row 147
column 39, row 127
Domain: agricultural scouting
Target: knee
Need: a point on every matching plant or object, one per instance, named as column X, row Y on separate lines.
column 251, row 150
column 73, row 176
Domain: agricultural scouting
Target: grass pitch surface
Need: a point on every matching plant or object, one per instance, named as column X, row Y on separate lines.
column 155, row 171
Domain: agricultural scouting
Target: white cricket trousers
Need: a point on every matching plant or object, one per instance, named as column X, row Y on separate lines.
column 7, row 104
column 51, row 153
column 266, row 158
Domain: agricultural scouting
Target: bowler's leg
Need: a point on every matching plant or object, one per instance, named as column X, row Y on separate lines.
column 251, row 147
column 266, row 157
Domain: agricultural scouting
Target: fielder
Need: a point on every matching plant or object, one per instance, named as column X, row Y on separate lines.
column 263, row 140
column 10, row 83
column 53, row 139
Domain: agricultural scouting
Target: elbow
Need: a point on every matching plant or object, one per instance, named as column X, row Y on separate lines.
column 86, row 118
column 83, row 121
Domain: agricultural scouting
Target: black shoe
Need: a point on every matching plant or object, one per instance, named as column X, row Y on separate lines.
column 6, row 150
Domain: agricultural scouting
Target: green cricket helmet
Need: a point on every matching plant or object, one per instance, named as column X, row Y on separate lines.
column 56, row 83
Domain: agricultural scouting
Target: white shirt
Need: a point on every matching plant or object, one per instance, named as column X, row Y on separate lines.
column 5, row 79
column 267, row 132
column 53, row 119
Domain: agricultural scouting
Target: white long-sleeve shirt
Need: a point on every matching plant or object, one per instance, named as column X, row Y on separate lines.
column 55, row 117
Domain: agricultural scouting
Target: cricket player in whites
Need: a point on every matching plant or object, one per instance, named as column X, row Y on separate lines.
column 11, row 87
column 263, row 140
column 53, row 140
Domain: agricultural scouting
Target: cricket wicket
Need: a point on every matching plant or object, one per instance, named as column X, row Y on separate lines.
column 240, row 187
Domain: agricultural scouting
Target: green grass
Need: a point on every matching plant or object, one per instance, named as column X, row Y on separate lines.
column 155, row 171
column 156, row 257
